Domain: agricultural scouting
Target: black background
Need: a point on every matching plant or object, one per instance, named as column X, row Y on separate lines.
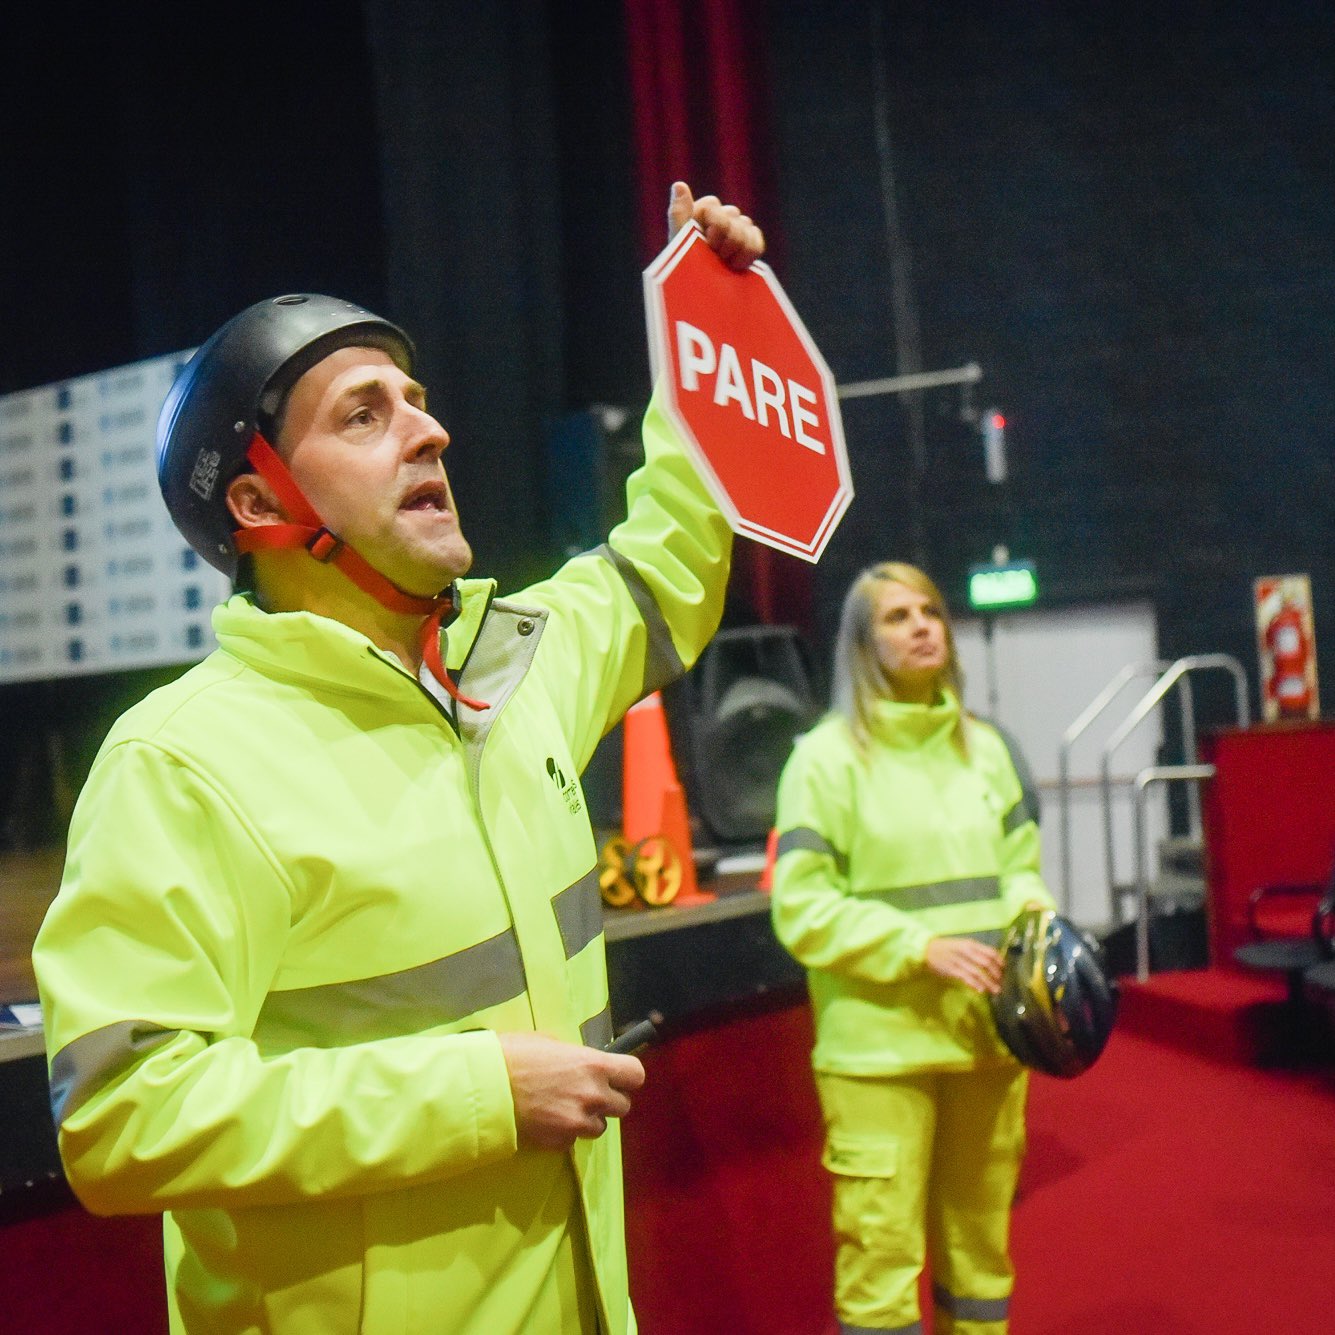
column 1125, row 215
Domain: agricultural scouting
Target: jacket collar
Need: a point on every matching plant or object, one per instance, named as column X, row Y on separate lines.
column 304, row 647
column 904, row 724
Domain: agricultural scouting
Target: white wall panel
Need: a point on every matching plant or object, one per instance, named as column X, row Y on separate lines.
column 94, row 576
column 1043, row 670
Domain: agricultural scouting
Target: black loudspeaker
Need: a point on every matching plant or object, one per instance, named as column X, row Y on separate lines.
column 746, row 700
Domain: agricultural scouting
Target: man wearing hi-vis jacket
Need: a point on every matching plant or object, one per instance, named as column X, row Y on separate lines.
column 325, row 980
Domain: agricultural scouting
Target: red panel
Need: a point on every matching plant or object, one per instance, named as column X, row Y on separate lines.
column 67, row 1272
column 697, row 117
column 727, row 1206
column 1269, row 817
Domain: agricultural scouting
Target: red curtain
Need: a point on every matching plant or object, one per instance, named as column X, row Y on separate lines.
column 698, row 95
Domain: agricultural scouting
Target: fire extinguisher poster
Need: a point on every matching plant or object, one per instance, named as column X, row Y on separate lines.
column 1286, row 644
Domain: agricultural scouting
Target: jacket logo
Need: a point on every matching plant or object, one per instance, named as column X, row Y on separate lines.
column 568, row 789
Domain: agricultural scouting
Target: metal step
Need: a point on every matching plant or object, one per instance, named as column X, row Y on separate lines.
column 1169, row 892
column 1183, row 853
column 1177, row 941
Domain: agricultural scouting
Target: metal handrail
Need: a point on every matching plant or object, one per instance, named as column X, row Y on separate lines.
column 1154, row 774
column 900, row 384
column 1177, row 673
column 1072, row 734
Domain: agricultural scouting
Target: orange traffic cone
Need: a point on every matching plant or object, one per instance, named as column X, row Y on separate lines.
column 771, row 856
column 653, row 801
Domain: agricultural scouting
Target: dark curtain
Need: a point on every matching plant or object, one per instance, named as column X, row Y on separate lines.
column 1122, row 215
column 162, row 174
column 470, row 184
column 246, row 163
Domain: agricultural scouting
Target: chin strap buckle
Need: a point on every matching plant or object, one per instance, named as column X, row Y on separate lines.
column 324, row 545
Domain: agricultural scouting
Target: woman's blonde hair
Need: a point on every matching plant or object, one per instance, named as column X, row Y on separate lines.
column 859, row 679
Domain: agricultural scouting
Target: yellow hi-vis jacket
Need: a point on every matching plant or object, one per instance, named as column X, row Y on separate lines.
column 298, row 905
column 878, row 854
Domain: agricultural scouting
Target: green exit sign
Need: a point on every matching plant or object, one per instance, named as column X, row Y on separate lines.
column 997, row 588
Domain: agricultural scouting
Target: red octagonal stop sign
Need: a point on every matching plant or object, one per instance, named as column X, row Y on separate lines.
column 751, row 393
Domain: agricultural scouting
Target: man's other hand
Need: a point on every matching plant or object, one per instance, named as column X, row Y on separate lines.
column 733, row 237
column 564, row 1092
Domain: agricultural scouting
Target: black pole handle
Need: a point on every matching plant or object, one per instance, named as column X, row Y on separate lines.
column 636, row 1037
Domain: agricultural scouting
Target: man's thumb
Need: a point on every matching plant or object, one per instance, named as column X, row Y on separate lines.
column 681, row 204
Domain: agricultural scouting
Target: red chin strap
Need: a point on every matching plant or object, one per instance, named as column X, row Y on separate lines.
column 306, row 529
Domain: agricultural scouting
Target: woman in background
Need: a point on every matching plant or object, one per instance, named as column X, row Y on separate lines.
column 906, row 845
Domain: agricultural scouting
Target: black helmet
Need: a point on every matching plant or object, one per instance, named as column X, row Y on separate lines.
column 1056, row 1006
column 233, row 386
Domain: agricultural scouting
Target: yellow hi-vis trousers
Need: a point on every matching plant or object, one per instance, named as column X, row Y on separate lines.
column 925, row 1168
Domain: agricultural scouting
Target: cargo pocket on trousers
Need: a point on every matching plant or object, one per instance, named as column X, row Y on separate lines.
column 868, row 1210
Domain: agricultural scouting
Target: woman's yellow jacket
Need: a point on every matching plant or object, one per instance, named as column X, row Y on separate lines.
column 879, row 853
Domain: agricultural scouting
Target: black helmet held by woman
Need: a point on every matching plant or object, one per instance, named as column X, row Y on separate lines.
column 1056, row 1006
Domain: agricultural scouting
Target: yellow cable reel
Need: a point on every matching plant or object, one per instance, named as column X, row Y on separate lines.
column 656, row 868
column 615, row 883
column 649, row 870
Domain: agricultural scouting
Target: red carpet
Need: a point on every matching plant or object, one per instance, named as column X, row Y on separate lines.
column 1165, row 1192
column 1169, row 1194
column 1229, row 1014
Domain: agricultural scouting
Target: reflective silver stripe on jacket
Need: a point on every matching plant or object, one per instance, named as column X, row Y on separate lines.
column 1019, row 814
column 501, row 655
column 662, row 662
column 84, row 1066
column 940, row 894
column 363, row 1009
column 971, row 1309
column 913, row 1328
column 992, row 938
column 443, row 992
column 337, row 1014
column 579, row 913
column 808, row 840
column 596, row 1032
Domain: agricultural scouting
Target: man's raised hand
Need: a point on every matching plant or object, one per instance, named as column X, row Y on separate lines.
column 730, row 233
